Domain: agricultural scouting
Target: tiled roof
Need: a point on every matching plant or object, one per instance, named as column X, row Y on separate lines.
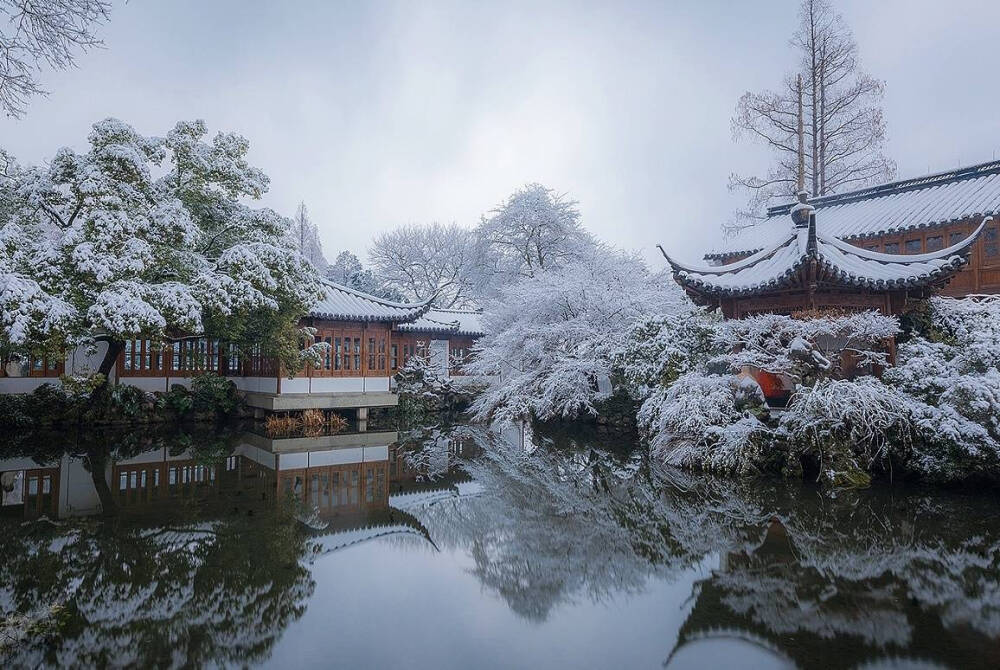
column 784, row 264
column 450, row 321
column 345, row 304
column 904, row 205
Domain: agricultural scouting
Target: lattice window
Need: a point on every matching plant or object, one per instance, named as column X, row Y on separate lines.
column 991, row 244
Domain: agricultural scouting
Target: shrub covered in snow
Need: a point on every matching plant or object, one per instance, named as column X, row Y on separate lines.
column 949, row 373
column 936, row 415
column 806, row 347
column 552, row 338
column 707, row 421
column 846, row 426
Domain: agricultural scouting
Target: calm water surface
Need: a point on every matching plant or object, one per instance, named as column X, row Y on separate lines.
column 466, row 546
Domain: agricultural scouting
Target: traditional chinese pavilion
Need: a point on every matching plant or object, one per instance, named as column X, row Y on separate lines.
column 805, row 265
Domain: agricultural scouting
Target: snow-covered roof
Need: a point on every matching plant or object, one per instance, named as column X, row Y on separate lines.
column 450, row 321
column 341, row 539
column 894, row 207
column 789, row 261
column 345, row 304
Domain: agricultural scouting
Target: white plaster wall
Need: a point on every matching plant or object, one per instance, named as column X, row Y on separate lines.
column 25, row 384
column 257, row 455
column 293, row 461
column 256, row 384
column 297, row 385
column 377, row 384
column 335, row 385
column 147, row 383
column 79, row 361
column 77, row 495
column 334, row 456
column 375, row 454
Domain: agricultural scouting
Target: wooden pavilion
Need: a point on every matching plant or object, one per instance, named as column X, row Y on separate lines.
column 805, row 267
column 911, row 216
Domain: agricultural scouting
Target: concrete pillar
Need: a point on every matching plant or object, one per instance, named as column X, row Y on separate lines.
column 362, row 419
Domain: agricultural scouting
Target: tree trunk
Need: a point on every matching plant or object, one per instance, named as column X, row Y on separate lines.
column 814, row 110
column 115, row 348
column 822, row 130
column 97, row 463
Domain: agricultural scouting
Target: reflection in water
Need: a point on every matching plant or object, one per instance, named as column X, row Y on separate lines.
column 203, row 549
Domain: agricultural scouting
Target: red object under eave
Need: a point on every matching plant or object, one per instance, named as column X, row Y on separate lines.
column 774, row 390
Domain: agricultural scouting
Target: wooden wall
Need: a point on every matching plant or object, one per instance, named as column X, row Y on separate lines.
column 981, row 275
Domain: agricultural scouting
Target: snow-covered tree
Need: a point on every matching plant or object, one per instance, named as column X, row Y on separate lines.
column 421, row 261
column 844, row 125
column 147, row 237
column 536, row 229
column 661, row 349
column 33, row 32
column 552, row 338
column 343, row 268
column 304, row 235
column 348, row 270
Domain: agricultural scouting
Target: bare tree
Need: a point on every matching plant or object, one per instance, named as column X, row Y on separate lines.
column 36, row 32
column 305, row 235
column 536, row 229
column 425, row 260
column 844, row 129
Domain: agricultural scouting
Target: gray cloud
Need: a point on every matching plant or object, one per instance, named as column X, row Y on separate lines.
column 378, row 114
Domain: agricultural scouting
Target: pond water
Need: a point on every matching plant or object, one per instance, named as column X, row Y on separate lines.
column 465, row 546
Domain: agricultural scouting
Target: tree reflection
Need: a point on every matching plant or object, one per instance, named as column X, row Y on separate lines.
column 548, row 520
column 213, row 582
column 878, row 573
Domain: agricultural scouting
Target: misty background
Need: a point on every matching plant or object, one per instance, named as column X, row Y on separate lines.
column 388, row 113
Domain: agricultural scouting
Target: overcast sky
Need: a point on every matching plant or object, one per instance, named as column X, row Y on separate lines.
column 379, row 114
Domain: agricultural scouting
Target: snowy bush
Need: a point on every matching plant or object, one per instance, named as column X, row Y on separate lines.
column 847, row 426
column 949, row 372
column 707, row 422
column 661, row 349
column 552, row 338
column 936, row 415
column 807, row 346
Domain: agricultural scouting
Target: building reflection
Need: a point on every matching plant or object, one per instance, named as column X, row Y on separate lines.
column 331, row 482
column 28, row 488
column 765, row 605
